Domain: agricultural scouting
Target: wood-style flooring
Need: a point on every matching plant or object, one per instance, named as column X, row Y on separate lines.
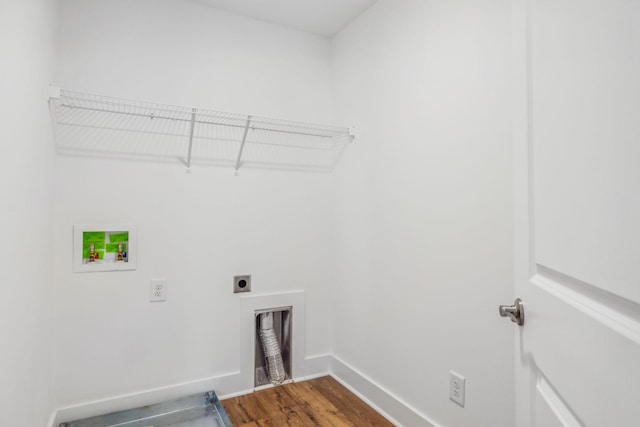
column 318, row 402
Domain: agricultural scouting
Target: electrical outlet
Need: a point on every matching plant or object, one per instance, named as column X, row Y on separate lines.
column 158, row 290
column 242, row 283
column 456, row 388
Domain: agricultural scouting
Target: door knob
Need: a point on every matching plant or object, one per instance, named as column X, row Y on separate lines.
column 514, row 312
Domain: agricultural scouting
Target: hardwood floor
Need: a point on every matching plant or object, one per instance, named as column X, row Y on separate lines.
column 318, row 402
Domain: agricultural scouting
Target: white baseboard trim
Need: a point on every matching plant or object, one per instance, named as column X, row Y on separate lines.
column 233, row 384
column 376, row 396
column 316, row 366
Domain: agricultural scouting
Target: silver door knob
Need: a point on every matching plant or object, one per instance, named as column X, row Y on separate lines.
column 514, row 312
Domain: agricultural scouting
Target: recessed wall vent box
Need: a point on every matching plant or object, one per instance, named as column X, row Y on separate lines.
column 198, row 410
column 273, row 347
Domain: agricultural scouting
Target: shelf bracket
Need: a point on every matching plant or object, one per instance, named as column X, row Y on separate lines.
column 244, row 139
column 193, row 125
column 353, row 134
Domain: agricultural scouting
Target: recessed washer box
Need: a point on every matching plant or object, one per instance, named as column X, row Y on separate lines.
column 104, row 247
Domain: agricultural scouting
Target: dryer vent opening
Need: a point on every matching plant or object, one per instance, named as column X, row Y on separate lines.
column 273, row 346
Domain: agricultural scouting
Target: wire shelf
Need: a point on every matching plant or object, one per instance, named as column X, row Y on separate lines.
column 103, row 126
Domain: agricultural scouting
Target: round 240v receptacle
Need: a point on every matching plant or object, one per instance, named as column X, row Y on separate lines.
column 242, row 283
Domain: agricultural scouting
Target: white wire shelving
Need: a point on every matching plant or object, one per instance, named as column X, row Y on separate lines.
column 102, row 126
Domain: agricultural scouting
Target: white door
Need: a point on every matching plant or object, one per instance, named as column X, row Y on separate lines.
column 578, row 212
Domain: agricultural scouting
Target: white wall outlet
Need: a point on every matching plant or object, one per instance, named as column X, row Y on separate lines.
column 158, row 290
column 456, row 388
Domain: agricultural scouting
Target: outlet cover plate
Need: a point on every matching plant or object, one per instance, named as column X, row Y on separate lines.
column 158, row 290
column 456, row 388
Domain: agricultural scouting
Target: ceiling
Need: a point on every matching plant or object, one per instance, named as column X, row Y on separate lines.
column 323, row 17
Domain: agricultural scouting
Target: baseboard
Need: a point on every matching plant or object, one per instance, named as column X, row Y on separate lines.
column 316, row 366
column 234, row 384
column 376, row 396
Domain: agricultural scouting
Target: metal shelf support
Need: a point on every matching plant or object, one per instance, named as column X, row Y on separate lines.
column 244, row 140
column 193, row 125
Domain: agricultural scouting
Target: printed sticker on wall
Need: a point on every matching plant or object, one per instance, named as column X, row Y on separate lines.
column 104, row 247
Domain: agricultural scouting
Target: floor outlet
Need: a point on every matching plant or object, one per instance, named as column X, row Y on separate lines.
column 456, row 388
column 158, row 290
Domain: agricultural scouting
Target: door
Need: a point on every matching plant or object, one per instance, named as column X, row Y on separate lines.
column 577, row 211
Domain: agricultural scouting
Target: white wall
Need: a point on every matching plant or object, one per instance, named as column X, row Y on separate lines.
column 188, row 53
column 417, row 218
column 423, row 205
column 26, row 150
column 195, row 230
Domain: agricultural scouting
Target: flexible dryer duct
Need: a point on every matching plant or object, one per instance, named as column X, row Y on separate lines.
column 271, row 348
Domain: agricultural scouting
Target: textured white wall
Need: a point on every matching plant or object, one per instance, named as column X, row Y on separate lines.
column 423, row 204
column 26, row 150
column 195, row 230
